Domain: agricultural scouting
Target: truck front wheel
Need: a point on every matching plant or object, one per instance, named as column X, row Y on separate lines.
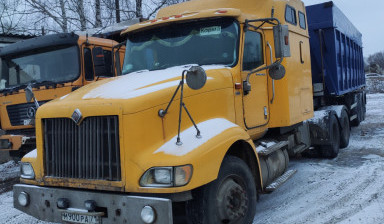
column 231, row 198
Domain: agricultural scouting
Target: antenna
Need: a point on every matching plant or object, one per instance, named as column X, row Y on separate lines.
column 86, row 39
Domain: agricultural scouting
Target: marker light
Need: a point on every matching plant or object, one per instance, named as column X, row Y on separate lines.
column 221, row 11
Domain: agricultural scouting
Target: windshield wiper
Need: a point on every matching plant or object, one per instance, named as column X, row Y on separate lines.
column 13, row 89
column 44, row 83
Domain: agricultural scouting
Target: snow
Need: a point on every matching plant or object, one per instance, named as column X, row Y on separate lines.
column 9, row 170
column 209, row 129
column 31, row 154
column 347, row 189
column 141, row 83
column 63, row 97
column 264, row 145
column 10, row 215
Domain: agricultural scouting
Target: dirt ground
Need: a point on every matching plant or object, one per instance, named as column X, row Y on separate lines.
column 347, row 189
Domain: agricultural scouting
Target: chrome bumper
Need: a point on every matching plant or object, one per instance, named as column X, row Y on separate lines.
column 119, row 208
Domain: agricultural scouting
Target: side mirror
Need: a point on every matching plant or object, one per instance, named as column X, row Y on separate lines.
column 99, row 61
column 281, row 39
column 277, row 72
column 196, row 77
column 28, row 93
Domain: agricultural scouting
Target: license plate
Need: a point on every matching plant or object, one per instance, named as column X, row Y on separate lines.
column 80, row 218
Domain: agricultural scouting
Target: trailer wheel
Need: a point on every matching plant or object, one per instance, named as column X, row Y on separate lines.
column 332, row 149
column 231, row 198
column 359, row 111
column 345, row 129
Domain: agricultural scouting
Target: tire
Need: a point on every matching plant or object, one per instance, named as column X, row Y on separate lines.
column 231, row 198
column 358, row 110
column 364, row 105
column 332, row 149
column 345, row 129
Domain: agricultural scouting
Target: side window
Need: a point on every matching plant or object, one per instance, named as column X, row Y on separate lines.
column 302, row 22
column 253, row 51
column 290, row 15
column 88, row 65
column 108, row 63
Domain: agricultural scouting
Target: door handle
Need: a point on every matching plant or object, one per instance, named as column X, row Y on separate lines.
column 301, row 52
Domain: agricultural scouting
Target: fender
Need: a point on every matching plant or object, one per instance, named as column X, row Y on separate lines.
column 205, row 154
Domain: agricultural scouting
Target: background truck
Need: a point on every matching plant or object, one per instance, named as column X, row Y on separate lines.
column 54, row 65
column 214, row 98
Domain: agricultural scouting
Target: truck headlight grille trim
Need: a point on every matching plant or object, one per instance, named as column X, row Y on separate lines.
column 90, row 150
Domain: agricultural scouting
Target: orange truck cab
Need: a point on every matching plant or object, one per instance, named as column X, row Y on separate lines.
column 53, row 66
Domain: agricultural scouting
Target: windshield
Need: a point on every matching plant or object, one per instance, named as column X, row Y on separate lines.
column 59, row 65
column 204, row 43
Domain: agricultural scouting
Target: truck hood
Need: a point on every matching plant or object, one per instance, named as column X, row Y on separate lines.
column 141, row 90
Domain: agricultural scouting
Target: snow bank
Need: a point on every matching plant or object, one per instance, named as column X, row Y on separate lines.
column 9, row 170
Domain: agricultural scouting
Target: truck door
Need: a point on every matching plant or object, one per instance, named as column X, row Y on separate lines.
column 255, row 103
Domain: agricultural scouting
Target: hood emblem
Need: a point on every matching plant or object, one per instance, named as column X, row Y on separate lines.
column 31, row 112
column 76, row 116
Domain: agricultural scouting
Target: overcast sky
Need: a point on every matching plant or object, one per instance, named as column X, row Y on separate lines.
column 367, row 16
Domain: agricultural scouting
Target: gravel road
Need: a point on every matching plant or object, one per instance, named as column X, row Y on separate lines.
column 347, row 189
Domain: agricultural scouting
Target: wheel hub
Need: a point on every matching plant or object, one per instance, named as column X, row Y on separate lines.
column 232, row 201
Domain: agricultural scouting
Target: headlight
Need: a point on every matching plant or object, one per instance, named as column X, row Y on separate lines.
column 26, row 171
column 167, row 176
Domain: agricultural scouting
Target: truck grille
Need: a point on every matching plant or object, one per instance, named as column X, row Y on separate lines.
column 86, row 151
column 18, row 113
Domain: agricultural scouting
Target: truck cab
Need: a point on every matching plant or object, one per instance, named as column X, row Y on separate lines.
column 53, row 65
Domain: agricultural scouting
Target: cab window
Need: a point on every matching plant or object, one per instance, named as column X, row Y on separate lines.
column 108, row 63
column 88, row 64
column 290, row 15
column 253, row 51
column 302, row 22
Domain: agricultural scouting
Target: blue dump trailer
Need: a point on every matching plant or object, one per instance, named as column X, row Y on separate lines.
column 338, row 78
column 337, row 60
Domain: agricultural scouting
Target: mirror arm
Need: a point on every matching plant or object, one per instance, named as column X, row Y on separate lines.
column 264, row 21
column 36, row 103
column 264, row 68
column 162, row 112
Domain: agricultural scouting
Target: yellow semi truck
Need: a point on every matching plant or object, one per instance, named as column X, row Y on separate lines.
column 53, row 65
column 214, row 98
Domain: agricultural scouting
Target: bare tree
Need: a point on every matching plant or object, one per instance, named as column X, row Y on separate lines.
column 139, row 8
column 7, row 17
column 63, row 16
column 117, row 10
column 98, row 13
column 377, row 59
column 70, row 15
column 81, row 14
column 48, row 9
